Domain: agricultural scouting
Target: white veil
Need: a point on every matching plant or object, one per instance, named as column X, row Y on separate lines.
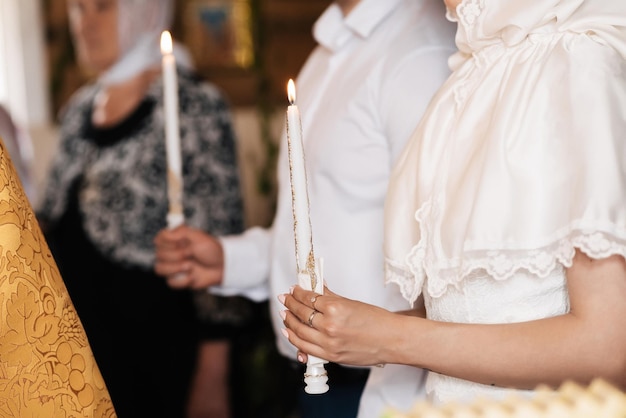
column 140, row 24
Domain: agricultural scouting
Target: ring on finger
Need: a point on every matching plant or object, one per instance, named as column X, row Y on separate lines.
column 314, row 299
column 310, row 321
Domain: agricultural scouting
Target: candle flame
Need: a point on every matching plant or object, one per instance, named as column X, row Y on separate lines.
column 291, row 91
column 166, row 43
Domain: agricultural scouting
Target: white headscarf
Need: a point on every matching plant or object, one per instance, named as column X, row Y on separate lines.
column 140, row 24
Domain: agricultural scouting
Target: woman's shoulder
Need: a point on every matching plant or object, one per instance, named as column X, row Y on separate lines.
column 79, row 101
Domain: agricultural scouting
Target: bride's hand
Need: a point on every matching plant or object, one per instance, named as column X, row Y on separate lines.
column 337, row 329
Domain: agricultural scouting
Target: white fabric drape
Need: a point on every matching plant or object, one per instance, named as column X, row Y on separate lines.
column 23, row 69
column 521, row 158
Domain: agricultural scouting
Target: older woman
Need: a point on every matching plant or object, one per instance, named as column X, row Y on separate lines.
column 506, row 214
column 106, row 198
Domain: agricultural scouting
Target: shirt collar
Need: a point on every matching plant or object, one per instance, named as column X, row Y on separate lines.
column 333, row 31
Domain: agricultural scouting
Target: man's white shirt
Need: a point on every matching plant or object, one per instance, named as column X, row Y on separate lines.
column 361, row 93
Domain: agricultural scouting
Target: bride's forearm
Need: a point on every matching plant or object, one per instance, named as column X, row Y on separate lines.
column 588, row 342
column 512, row 355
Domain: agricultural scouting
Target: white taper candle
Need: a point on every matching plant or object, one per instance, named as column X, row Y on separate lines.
column 299, row 191
column 175, row 216
column 309, row 275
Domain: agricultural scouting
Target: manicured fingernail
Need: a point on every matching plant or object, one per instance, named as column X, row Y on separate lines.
column 300, row 358
column 285, row 333
column 283, row 314
column 281, row 298
column 291, row 290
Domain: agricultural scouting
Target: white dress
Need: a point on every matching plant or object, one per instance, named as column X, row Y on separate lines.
column 519, row 161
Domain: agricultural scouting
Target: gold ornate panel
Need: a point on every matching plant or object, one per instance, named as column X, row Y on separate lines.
column 47, row 368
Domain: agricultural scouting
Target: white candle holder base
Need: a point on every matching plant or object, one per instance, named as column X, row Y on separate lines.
column 315, row 375
column 174, row 220
column 315, row 378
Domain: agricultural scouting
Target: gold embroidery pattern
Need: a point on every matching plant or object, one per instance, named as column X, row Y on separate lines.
column 47, row 368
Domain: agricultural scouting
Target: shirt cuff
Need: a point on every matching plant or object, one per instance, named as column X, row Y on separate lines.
column 246, row 265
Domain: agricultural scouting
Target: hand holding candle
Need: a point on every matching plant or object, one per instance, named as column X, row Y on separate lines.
column 309, row 277
column 175, row 216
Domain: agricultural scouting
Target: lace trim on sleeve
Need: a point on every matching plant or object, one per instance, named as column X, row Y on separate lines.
column 410, row 275
column 501, row 265
column 421, row 262
column 410, row 285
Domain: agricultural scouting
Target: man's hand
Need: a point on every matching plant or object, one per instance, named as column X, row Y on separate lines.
column 188, row 257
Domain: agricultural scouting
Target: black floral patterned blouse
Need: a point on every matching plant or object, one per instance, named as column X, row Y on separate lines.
column 122, row 194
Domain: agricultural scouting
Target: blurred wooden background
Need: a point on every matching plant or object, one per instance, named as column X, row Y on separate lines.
column 278, row 41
